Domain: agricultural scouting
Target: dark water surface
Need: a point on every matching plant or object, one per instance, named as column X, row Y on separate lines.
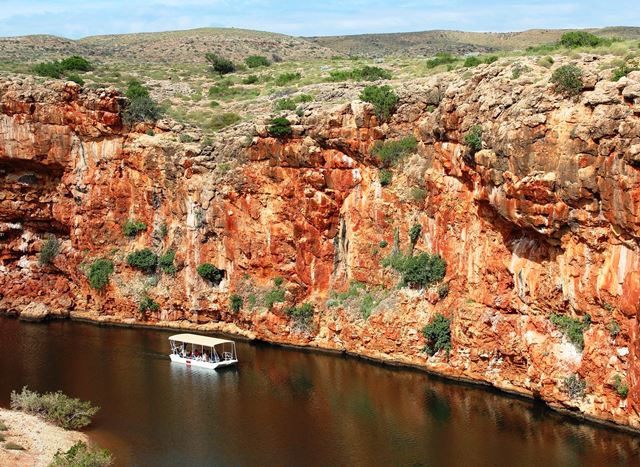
column 286, row 408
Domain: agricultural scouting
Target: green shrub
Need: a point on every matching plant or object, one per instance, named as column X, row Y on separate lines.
column 614, row 328
column 81, row 455
column 284, row 104
column 473, row 138
column 49, row 250
column 621, row 388
column 211, row 273
column 148, row 303
column 575, row 386
column 223, row 120
column 255, row 61
column 438, row 335
column 390, row 152
column 414, row 233
column 385, row 176
column 576, row 39
column 48, row 69
column 145, row 260
column 251, row 79
column 471, row 62
column 75, row 77
column 143, row 109
column 273, row 296
column 278, row 281
column 568, row 79
column 99, row 273
column 166, row 260
column 383, row 98
column 279, row 127
column 418, row 194
column 366, row 73
column 186, row 138
column 423, row 270
column 54, row 407
column 235, row 303
column 3, row 427
column 622, row 70
column 443, row 291
column 11, row 446
column 56, row 69
column 76, row 63
column 219, row 64
column 135, row 90
column 441, row 58
column 489, row 59
column 286, row 78
column 133, row 227
column 302, row 313
column 546, row 61
column 573, row 328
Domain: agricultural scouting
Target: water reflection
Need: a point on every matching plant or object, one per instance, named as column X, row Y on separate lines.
column 283, row 407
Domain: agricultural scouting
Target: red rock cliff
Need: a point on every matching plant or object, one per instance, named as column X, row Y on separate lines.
column 542, row 220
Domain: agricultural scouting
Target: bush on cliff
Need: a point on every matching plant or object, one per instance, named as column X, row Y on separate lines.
column 383, row 98
column 573, row 328
column 621, row 387
column 145, row 260
column 303, row 313
column 235, row 303
column 568, row 79
column 166, row 260
column 133, row 227
column 99, row 273
column 473, row 138
column 211, row 273
column 385, row 176
column 391, row 152
column 423, row 270
column 81, row 455
column 575, row 386
column 49, row 250
column 55, row 407
column 219, row 64
column 280, row 127
column 141, row 107
column 223, row 120
column 148, row 304
column 438, row 335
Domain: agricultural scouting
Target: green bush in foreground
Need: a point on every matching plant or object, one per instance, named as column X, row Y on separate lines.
column 441, row 58
column 473, row 138
column 133, row 227
column 366, row 73
column 148, row 303
column 438, row 335
column 391, row 152
column 99, row 273
column 573, row 328
column 49, row 250
column 273, row 296
column 568, row 79
column 385, row 176
column 56, row 69
column 255, row 61
column 81, row 455
column 622, row 70
column 280, row 127
column 141, row 108
column 211, row 273
column 54, row 407
column 219, row 64
column 144, row 260
column 235, row 303
column 621, row 388
column 383, row 98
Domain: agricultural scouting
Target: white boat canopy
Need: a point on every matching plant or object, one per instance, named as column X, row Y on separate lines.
column 199, row 340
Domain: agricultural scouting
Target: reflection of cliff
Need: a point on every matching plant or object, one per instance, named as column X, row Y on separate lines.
column 542, row 220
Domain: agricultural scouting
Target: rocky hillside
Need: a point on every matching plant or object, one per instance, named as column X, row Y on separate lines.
column 536, row 218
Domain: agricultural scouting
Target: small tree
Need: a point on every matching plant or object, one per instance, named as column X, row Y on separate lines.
column 279, row 127
column 141, row 107
column 568, row 79
column 144, row 259
column 438, row 335
column 383, row 98
column 255, row 61
column 49, row 250
column 211, row 273
column 575, row 39
column 99, row 273
column 220, row 64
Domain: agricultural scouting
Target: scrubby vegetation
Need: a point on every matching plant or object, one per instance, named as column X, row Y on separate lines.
column 49, row 250
column 255, row 61
column 81, row 455
column 54, row 407
column 385, row 176
column 417, row 271
column 58, row 69
column 622, row 70
column 302, row 313
column 235, row 303
column 99, row 273
column 141, row 107
column 366, row 73
column 391, row 152
column 575, row 386
column 568, row 79
column 219, row 64
column 473, row 138
column 383, row 98
column 166, row 262
column 438, row 335
column 286, row 78
column 280, row 127
column 573, row 328
column 223, row 120
column 144, row 260
column 211, row 273
column 576, row 39
column 614, row 328
column 441, row 58
column 621, row 387
column 133, row 227
column 290, row 103
column 274, row 296
column 148, row 304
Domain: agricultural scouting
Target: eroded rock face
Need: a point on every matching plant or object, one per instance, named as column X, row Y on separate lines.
column 543, row 219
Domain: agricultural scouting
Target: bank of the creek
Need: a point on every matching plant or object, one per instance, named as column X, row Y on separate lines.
column 288, row 407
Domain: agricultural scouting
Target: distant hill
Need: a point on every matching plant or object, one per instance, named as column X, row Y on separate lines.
column 190, row 46
column 428, row 43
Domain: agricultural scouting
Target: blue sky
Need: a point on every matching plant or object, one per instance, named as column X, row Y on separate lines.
column 79, row 18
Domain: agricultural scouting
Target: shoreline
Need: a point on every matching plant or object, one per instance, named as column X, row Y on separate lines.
column 248, row 336
column 40, row 439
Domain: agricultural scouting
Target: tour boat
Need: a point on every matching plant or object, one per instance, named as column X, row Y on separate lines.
column 202, row 351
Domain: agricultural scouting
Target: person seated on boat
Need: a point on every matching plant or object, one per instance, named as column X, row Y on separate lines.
column 205, row 357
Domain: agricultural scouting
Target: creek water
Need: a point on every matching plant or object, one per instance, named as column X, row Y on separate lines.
column 285, row 407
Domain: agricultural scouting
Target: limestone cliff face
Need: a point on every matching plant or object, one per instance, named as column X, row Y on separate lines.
column 544, row 219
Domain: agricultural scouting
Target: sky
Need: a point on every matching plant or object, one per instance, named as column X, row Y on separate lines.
column 80, row 18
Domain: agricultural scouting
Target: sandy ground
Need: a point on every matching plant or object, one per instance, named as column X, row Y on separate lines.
column 40, row 440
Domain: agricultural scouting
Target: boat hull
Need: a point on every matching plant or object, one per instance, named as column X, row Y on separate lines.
column 201, row 364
